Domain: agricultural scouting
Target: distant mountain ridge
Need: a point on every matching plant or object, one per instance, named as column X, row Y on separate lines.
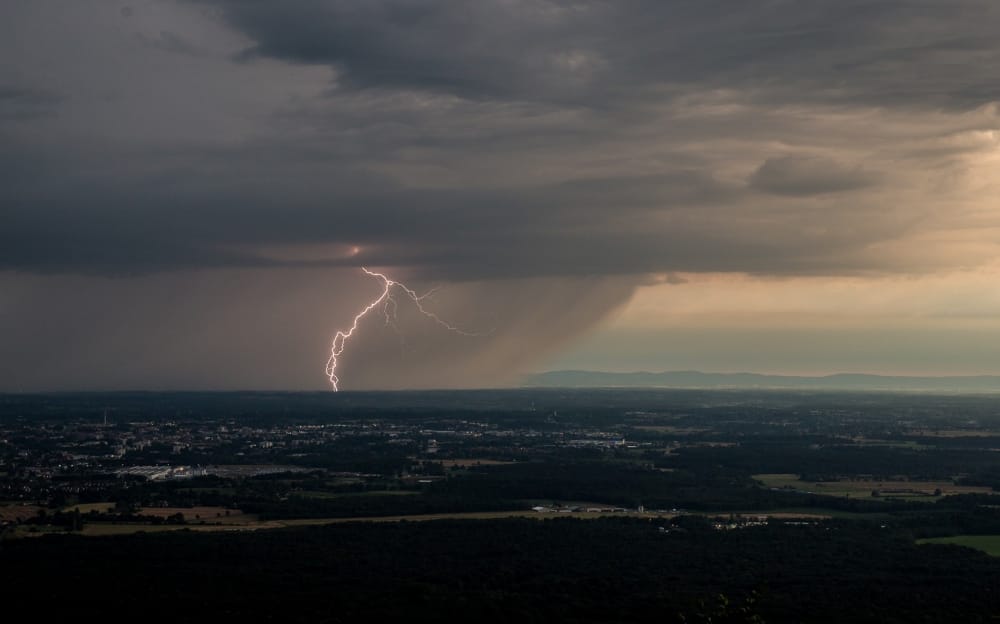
column 697, row 379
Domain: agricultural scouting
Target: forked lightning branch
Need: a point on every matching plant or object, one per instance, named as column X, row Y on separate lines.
column 387, row 302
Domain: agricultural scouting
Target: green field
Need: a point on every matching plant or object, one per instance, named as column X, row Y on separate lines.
column 249, row 522
column 804, row 513
column 989, row 544
column 922, row 491
column 473, row 515
column 217, row 521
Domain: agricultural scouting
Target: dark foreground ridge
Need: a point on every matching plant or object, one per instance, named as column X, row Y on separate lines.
column 696, row 379
column 559, row 570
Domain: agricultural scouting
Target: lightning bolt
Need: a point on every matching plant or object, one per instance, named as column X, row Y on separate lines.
column 389, row 305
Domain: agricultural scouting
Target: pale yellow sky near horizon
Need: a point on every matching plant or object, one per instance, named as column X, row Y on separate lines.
column 963, row 298
column 944, row 323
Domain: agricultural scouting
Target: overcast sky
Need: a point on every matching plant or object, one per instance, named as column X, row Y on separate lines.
column 189, row 188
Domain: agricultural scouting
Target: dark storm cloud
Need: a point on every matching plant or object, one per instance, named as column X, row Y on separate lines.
column 172, row 42
column 601, row 225
column 905, row 52
column 19, row 103
column 804, row 176
column 475, row 139
column 481, row 49
column 129, row 226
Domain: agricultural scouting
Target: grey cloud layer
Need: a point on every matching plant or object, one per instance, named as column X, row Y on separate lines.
column 486, row 139
column 902, row 51
column 22, row 104
column 808, row 176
